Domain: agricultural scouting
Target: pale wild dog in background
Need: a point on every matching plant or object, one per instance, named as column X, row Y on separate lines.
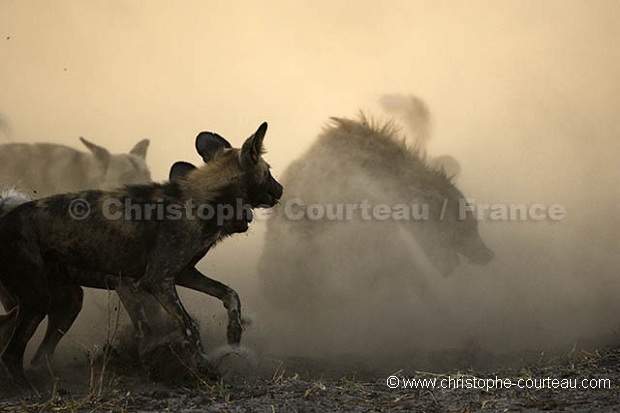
column 41, row 241
column 43, row 169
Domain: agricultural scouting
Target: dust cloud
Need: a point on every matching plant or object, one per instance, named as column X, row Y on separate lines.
column 524, row 95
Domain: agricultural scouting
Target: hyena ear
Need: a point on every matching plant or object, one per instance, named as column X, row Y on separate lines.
column 252, row 148
column 209, row 144
column 179, row 170
column 140, row 148
column 101, row 154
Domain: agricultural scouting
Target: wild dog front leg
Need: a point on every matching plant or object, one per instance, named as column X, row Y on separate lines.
column 194, row 279
column 157, row 282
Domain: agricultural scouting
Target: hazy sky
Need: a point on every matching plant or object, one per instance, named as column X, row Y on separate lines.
column 501, row 78
column 526, row 94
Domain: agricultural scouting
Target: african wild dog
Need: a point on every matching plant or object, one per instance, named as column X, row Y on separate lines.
column 41, row 241
column 143, row 310
column 44, row 169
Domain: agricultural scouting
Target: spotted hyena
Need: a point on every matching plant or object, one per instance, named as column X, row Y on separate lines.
column 363, row 212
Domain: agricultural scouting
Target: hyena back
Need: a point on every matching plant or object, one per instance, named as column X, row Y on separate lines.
column 44, row 169
column 151, row 255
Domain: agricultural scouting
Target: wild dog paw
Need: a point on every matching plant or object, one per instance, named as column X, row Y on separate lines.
column 208, row 369
column 234, row 361
column 235, row 329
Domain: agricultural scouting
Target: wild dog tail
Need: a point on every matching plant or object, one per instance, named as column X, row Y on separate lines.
column 11, row 198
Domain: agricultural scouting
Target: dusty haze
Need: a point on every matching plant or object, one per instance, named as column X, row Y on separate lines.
column 525, row 95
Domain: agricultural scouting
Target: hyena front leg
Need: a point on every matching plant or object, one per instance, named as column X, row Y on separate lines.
column 194, row 279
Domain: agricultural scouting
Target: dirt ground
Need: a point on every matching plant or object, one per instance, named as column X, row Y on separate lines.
column 312, row 385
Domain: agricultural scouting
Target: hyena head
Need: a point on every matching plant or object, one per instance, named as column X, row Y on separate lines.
column 230, row 175
column 452, row 231
column 117, row 170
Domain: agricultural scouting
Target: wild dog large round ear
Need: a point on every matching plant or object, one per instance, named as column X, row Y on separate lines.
column 253, row 147
column 179, row 170
column 208, row 144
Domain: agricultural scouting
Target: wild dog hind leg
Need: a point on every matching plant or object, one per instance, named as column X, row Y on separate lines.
column 9, row 320
column 7, row 328
column 24, row 284
column 28, row 319
column 132, row 298
column 65, row 305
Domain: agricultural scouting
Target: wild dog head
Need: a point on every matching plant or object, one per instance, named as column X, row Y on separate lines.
column 116, row 170
column 262, row 190
column 230, row 175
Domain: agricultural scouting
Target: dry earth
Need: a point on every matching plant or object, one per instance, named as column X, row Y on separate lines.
column 311, row 385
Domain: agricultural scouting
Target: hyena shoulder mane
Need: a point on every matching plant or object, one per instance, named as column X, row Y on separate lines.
column 381, row 140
